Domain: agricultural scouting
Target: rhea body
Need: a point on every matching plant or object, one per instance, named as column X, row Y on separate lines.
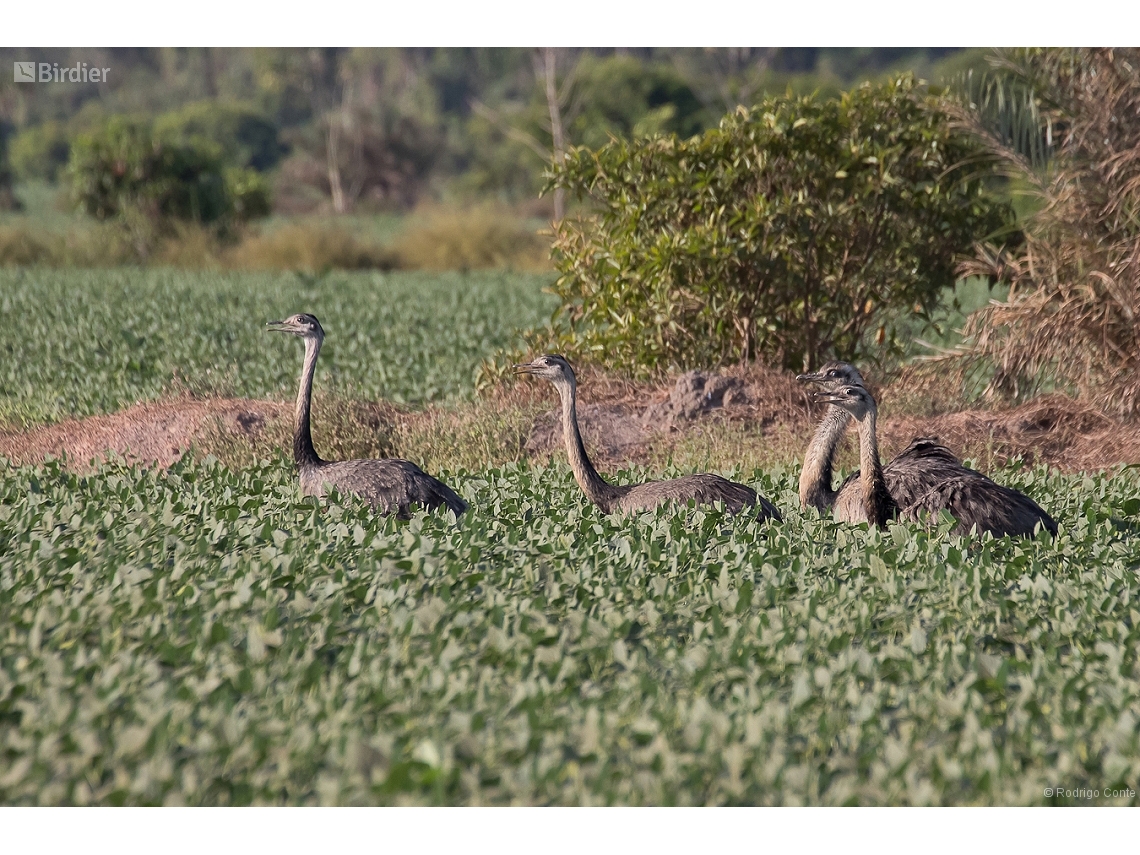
column 972, row 498
column 703, row 489
column 391, row 486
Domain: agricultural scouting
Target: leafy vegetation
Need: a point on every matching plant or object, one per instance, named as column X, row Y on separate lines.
column 201, row 636
column 121, row 171
column 41, row 151
column 97, row 341
column 1069, row 134
column 798, row 230
column 397, row 125
column 242, row 136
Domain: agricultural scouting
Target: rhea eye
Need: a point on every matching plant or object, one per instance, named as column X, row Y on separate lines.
column 832, row 373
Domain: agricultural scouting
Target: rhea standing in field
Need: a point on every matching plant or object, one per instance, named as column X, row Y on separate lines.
column 390, row 486
column 972, row 498
column 704, row 489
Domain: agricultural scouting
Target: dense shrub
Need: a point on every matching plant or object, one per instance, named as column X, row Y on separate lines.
column 40, row 151
column 797, row 230
column 8, row 200
column 241, row 135
column 121, row 170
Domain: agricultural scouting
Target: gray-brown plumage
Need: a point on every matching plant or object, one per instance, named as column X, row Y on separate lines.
column 971, row 498
column 390, row 486
column 703, row 489
column 919, row 467
column 870, row 500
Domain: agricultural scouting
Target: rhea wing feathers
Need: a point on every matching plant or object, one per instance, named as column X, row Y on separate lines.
column 703, row 489
column 978, row 501
column 391, row 485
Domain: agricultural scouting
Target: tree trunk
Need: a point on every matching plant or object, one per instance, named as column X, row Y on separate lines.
column 338, row 124
column 209, row 73
column 333, row 158
column 559, row 141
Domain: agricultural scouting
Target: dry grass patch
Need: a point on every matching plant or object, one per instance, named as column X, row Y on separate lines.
column 480, row 237
column 309, row 248
column 95, row 245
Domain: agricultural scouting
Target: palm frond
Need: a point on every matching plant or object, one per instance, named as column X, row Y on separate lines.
column 1067, row 122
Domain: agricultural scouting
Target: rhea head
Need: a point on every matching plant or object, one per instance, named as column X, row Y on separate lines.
column 302, row 325
column 833, row 375
column 550, row 367
column 855, row 399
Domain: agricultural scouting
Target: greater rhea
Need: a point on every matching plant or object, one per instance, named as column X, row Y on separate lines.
column 973, row 499
column 922, row 464
column 703, row 489
column 390, row 486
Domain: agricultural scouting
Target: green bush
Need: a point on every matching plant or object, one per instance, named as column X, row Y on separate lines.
column 248, row 192
column 623, row 96
column 40, row 151
column 8, row 200
column 121, row 170
column 241, row 135
column 797, row 230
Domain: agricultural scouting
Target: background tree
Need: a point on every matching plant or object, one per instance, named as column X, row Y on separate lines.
column 483, row 113
column 122, row 172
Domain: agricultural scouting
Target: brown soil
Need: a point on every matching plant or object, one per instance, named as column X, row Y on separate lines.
column 620, row 422
column 157, row 432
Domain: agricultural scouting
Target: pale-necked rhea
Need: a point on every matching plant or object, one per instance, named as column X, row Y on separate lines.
column 389, row 485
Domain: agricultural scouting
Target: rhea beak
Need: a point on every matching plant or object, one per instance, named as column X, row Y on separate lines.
column 524, row 368
column 275, row 326
column 814, row 377
column 827, row 398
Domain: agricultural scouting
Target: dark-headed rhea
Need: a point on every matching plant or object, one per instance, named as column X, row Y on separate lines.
column 390, row 486
column 702, row 489
column 973, row 499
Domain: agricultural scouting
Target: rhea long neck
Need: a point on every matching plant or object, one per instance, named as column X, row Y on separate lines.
column 876, row 498
column 303, row 452
column 815, row 478
column 599, row 491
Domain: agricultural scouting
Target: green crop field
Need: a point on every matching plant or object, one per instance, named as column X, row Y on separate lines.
column 203, row 635
column 81, row 342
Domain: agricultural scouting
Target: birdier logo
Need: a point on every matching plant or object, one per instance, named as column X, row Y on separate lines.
column 50, row 72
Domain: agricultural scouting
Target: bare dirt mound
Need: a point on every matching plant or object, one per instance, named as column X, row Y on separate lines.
column 621, row 421
column 1055, row 430
column 157, row 432
column 611, row 432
